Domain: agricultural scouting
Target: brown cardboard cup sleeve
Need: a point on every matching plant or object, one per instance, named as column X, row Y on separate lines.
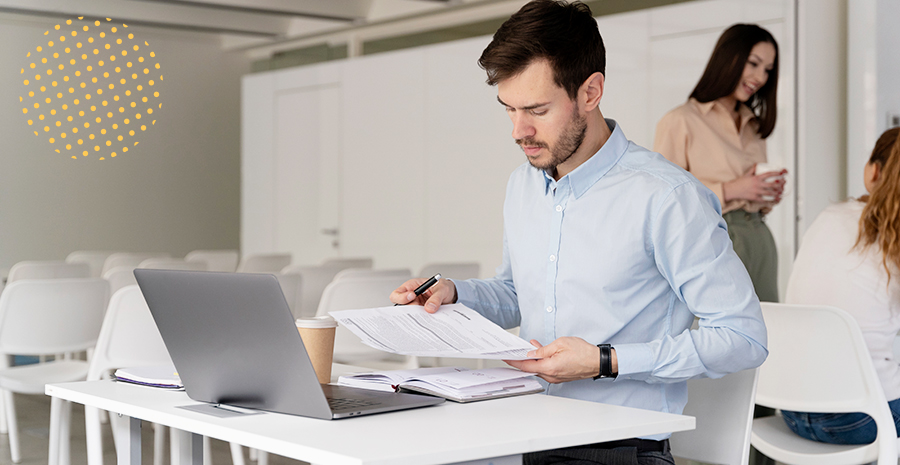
column 318, row 338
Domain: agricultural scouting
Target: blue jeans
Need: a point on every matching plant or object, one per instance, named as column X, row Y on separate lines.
column 838, row 428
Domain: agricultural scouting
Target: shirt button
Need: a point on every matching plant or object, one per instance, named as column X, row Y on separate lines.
column 559, row 208
column 553, row 258
column 549, row 309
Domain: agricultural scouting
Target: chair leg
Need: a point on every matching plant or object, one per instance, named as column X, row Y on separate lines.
column 56, row 408
column 93, row 436
column 207, row 450
column 262, row 458
column 159, row 443
column 237, row 454
column 4, row 427
column 13, row 426
column 252, row 453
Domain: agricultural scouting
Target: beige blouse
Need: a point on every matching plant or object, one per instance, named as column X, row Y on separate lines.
column 702, row 138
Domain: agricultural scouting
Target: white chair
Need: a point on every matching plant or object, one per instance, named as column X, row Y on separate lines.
column 342, row 263
column 364, row 292
column 400, row 274
column 451, row 270
column 94, row 259
column 119, row 277
column 313, row 280
column 216, row 260
column 128, row 259
column 127, row 338
column 819, row 362
column 48, row 269
column 172, row 264
column 44, row 317
column 269, row 263
column 724, row 411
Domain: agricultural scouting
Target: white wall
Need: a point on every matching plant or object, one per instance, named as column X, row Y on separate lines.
column 424, row 150
column 177, row 191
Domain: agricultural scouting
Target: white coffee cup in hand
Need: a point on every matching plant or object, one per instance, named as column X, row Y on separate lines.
column 766, row 168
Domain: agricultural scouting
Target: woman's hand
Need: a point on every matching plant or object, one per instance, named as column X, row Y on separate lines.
column 754, row 187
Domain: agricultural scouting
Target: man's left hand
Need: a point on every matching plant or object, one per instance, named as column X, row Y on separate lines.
column 565, row 359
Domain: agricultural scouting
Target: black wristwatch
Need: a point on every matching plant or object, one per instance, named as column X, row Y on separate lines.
column 605, row 362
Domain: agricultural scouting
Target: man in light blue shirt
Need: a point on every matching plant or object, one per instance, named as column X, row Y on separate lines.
column 609, row 250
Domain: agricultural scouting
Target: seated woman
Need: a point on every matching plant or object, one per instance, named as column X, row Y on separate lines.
column 850, row 258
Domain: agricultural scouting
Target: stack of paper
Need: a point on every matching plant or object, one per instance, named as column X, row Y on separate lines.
column 161, row 376
column 457, row 384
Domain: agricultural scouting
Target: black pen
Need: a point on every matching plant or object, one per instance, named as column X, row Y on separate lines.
column 426, row 285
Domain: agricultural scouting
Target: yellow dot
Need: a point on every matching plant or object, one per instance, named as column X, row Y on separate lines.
column 121, row 110
column 100, row 63
column 52, row 112
column 59, row 95
column 96, row 52
column 97, row 119
column 126, row 120
column 134, row 76
column 30, row 122
column 131, row 36
column 146, row 71
column 84, row 56
column 58, row 123
column 96, row 23
column 68, row 49
column 133, row 104
column 113, row 154
column 37, row 105
column 83, row 85
column 128, row 64
column 125, row 53
column 85, row 153
column 135, row 48
column 140, row 87
column 109, row 114
column 112, row 58
column 124, row 149
column 69, row 118
column 104, row 103
column 50, row 44
column 68, row 146
column 114, row 29
column 71, row 90
column 122, row 81
column 26, row 82
column 118, row 41
column 56, row 27
column 52, row 140
column 107, row 46
column 61, row 67
column 108, row 143
column 49, row 72
column 46, row 128
column 90, row 68
column 149, row 111
column 35, row 133
column 120, row 138
column 90, row 40
column 25, row 110
column 137, row 116
column 141, row 59
column 91, row 137
column 116, row 98
column 39, row 48
column 111, row 86
column 74, row 130
column 136, row 143
column 43, row 60
column 53, row 83
column 151, row 81
column 156, row 65
column 72, row 61
column 78, row 44
column 87, row 124
column 80, row 141
column 103, row 34
column 31, row 93
column 143, row 127
column 99, row 91
column 103, row 131
column 127, row 92
column 41, row 117
column 47, row 100
column 37, row 77
column 96, row 148
column 115, row 126
column 65, row 106
column 85, row 28
column 43, row 89
column 74, row 33
column 131, row 133
column 32, row 65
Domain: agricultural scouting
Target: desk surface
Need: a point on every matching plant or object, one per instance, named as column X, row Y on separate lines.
column 449, row 432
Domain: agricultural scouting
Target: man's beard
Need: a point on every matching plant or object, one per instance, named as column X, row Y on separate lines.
column 569, row 142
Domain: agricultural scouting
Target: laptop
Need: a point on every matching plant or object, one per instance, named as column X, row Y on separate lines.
column 233, row 341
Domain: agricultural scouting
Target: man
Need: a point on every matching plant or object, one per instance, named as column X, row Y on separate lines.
column 609, row 250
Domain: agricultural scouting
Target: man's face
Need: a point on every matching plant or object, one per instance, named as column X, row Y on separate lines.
column 546, row 122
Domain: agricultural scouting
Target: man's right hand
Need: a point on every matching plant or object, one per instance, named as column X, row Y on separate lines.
column 444, row 292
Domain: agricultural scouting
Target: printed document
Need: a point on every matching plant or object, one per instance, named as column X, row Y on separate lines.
column 453, row 331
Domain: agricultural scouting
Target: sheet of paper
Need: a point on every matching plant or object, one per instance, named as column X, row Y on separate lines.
column 453, row 331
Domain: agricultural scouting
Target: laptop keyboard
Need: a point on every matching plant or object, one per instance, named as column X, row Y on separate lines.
column 350, row 404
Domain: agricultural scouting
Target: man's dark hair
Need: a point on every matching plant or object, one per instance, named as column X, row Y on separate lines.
column 565, row 34
column 726, row 66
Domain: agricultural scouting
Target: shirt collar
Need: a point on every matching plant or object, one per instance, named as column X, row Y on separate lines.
column 588, row 173
column 745, row 112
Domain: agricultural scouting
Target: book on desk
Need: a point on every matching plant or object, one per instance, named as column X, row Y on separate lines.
column 452, row 383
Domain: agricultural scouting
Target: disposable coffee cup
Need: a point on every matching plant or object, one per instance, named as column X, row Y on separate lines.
column 768, row 167
column 318, row 338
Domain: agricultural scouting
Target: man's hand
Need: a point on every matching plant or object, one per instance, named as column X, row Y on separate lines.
column 444, row 292
column 565, row 359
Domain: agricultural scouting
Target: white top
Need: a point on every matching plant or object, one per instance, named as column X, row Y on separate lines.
column 830, row 271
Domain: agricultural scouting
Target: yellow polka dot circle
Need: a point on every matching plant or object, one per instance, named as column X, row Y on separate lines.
column 91, row 89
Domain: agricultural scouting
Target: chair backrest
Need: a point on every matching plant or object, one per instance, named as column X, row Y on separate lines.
column 451, row 270
column 48, row 269
column 128, row 259
column 172, row 264
column 51, row 316
column 216, row 260
column 94, row 259
column 724, row 411
column 128, row 337
column 119, row 277
column 818, row 362
column 342, row 263
column 292, row 288
column 269, row 263
column 313, row 280
column 401, row 274
column 353, row 293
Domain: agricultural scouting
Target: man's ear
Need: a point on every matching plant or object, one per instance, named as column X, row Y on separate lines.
column 591, row 91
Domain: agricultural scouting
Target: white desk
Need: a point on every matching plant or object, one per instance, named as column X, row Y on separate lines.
column 445, row 433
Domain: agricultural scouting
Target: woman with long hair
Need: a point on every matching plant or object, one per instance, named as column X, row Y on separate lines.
column 719, row 135
column 850, row 258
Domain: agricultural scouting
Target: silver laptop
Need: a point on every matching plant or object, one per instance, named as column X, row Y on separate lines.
column 233, row 341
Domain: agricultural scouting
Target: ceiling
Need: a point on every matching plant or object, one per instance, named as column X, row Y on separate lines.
column 264, row 27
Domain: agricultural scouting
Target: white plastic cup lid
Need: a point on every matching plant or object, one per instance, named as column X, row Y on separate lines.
column 324, row 321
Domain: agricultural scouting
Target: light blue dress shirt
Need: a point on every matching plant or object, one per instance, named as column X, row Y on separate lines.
column 626, row 250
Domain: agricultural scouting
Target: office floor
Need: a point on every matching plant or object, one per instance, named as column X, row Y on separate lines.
column 33, row 414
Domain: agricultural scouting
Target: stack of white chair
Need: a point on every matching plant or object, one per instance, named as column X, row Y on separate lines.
column 215, row 260
column 48, row 269
column 172, row 264
column 342, row 263
column 128, row 259
column 47, row 317
column 818, row 362
column 264, row 263
column 362, row 292
column 93, row 258
column 401, row 274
